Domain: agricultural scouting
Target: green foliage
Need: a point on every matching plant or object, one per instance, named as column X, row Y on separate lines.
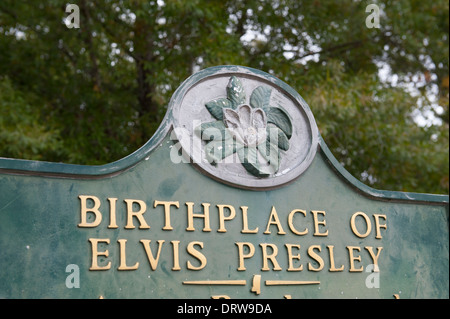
column 22, row 134
column 398, row 154
column 95, row 94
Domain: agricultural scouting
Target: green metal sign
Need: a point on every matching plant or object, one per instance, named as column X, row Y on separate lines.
column 235, row 196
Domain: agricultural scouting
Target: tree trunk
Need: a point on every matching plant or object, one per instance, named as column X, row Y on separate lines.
column 144, row 59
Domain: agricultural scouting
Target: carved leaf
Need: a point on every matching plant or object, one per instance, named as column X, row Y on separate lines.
column 271, row 154
column 212, row 131
column 279, row 117
column 260, row 97
column 277, row 137
column 216, row 151
column 215, row 107
column 249, row 159
column 235, row 92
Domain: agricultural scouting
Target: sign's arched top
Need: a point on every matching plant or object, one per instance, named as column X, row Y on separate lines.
column 244, row 127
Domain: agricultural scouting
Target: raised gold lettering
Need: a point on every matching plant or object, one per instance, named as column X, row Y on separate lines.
column 316, row 257
column 245, row 229
column 84, row 210
column 242, row 255
column 291, row 224
column 167, row 205
column 148, row 250
column 274, row 220
column 318, row 222
column 139, row 214
column 368, row 224
column 353, row 258
column 222, row 217
column 123, row 257
column 291, row 257
column 332, row 264
column 176, row 254
column 271, row 253
column 191, row 215
column 378, row 225
column 272, row 257
column 195, row 253
column 95, row 253
column 374, row 257
column 112, row 213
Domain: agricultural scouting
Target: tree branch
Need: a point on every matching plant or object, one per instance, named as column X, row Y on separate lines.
column 343, row 46
column 95, row 74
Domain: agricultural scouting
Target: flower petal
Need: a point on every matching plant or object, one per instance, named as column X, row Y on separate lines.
column 231, row 118
column 259, row 119
column 245, row 116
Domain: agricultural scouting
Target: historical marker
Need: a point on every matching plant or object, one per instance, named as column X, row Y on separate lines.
column 235, row 196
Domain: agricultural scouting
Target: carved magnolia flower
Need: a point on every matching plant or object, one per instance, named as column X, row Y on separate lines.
column 256, row 131
column 246, row 124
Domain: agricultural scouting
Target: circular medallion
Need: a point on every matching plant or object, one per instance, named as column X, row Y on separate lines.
column 244, row 127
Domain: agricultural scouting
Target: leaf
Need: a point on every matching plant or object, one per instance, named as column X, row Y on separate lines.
column 277, row 137
column 271, row 154
column 260, row 97
column 215, row 151
column 215, row 107
column 212, row 131
column 235, row 92
column 249, row 159
column 279, row 117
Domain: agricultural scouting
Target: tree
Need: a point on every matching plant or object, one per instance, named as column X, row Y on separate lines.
column 103, row 88
column 20, row 134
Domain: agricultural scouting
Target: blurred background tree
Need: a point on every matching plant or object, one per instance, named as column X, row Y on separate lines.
column 95, row 94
